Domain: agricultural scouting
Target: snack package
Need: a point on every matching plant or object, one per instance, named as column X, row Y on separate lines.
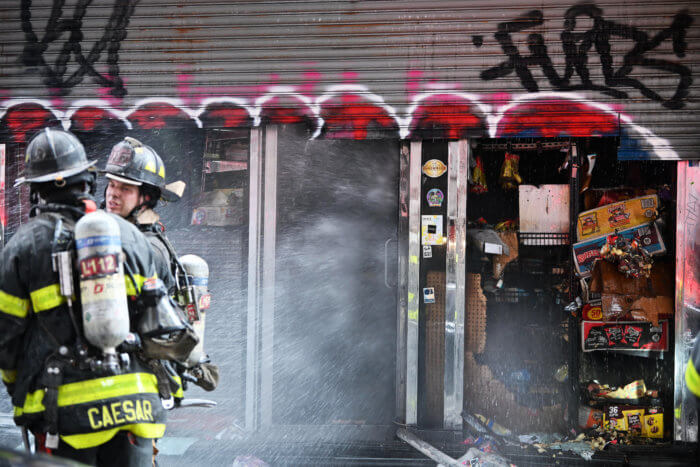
column 635, row 420
column 633, row 390
column 614, row 419
column 653, row 426
column 587, row 251
column 589, row 417
column 592, row 312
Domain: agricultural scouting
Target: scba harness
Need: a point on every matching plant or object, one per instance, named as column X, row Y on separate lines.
column 89, row 390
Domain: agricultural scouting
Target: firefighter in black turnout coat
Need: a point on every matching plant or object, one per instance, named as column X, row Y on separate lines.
column 79, row 401
column 136, row 175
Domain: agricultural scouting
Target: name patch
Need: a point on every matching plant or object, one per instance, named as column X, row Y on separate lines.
column 119, row 413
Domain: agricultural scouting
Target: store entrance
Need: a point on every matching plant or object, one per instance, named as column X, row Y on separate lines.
column 550, row 324
column 517, row 350
column 335, row 281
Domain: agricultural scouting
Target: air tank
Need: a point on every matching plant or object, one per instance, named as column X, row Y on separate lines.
column 102, row 287
column 196, row 300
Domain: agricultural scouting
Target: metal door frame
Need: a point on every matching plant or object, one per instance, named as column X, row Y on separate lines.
column 262, row 208
column 455, row 290
column 261, row 280
column 455, row 278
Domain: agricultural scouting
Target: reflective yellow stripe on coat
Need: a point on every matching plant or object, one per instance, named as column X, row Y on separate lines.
column 89, row 440
column 8, row 376
column 179, row 393
column 692, row 378
column 14, row 306
column 92, row 390
column 130, row 289
column 50, row 297
column 47, row 298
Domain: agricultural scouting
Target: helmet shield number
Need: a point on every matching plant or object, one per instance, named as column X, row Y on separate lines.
column 121, row 155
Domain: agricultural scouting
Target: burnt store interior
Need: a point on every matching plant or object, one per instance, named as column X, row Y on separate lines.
column 530, row 364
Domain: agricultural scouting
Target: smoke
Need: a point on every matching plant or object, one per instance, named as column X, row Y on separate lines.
column 334, row 326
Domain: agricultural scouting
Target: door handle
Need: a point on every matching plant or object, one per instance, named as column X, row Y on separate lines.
column 386, row 264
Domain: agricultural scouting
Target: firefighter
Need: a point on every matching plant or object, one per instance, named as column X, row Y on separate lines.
column 79, row 400
column 136, row 175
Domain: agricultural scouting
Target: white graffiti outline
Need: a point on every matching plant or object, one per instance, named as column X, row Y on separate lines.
column 405, row 129
column 661, row 146
column 284, row 91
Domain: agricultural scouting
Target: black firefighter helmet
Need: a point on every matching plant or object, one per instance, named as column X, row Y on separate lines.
column 53, row 155
column 135, row 163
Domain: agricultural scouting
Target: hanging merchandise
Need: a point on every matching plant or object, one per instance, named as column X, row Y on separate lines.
column 510, row 178
column 588, row 176
column 478, row 178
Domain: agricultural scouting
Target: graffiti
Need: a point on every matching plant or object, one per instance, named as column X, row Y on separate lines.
column 577, row 45
column 56, row 74
column 24, row 119
column 351, row 111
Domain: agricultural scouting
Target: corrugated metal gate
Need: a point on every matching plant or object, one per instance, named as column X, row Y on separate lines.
column 356, row 69
column 507, row 69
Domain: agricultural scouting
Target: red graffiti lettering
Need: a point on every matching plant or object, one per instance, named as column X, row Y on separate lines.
column 353, row 117
column 448, row 119
column 25, row 119
column 226, row 117
column 552, row 119
column 276, row 111
column 87, row 118
column 156, row 116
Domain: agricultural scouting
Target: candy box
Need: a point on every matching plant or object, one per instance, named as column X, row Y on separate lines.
column 617, row 216
column 614, row 419
column 653, row 426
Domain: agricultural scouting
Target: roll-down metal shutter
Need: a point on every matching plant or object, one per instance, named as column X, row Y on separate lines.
column 361, row 69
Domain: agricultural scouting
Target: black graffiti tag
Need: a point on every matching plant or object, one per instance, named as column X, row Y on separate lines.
column 577, row 45
column 56, row 74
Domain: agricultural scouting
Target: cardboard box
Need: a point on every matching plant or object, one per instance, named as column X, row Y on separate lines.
column 220, row 208
column 217, row 216
column 616, row 216
column 637, row 299
column 633, row 336
column 586, row 252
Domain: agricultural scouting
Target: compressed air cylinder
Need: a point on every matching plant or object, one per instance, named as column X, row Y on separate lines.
column 102, row 287
column 197, row 300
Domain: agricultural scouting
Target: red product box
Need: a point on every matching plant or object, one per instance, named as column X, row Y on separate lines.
column 624, row 335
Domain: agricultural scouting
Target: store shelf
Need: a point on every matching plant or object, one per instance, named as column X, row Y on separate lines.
column 545, row 239
column 515, row 295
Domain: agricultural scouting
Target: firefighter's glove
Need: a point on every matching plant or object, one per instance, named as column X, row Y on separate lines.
column 166, row 386
column 206, row 375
